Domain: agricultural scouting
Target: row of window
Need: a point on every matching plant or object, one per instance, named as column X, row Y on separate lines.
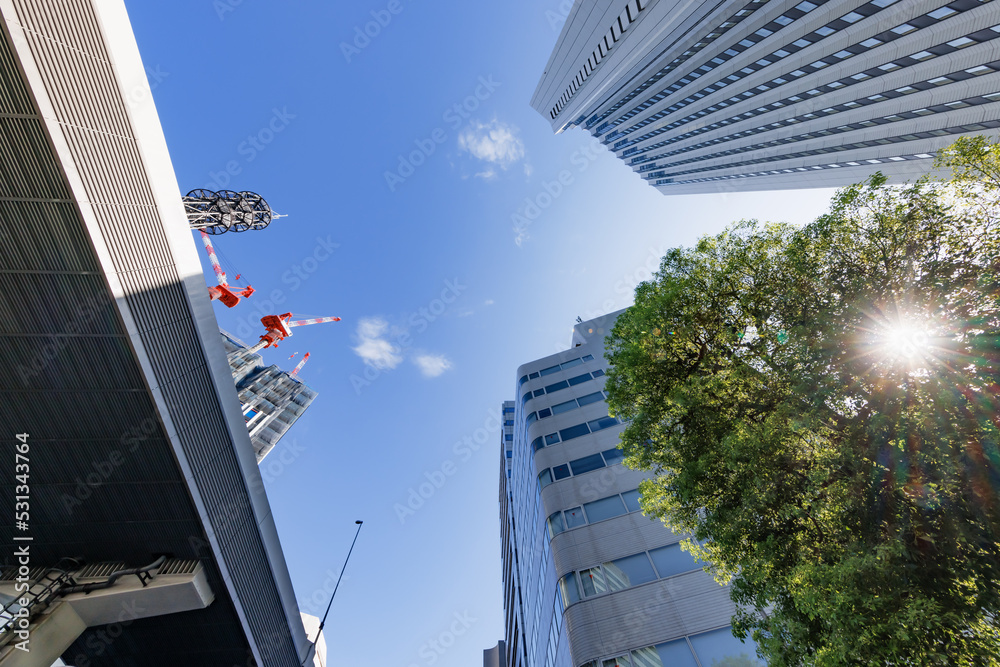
column 928, row 84
column 972, row 127
column 565, row 406
column 833, row 85
column 555, row 627
column 716, row 647
column 730, row 22
column 826, row 61
column 562, row 384
column 730, row 52
column 634, row 570
column 618, row 27
column 598, row 510
column 579, row 466
column 839, row 23
column 882, row 141
column 575, row 431
column 555, row 369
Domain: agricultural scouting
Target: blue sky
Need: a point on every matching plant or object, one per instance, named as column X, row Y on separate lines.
column 402, row 160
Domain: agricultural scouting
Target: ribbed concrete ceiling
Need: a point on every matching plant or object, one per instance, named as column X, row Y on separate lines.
column 105, row 481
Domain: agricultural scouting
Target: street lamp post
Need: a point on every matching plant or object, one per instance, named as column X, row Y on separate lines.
column 332, row 595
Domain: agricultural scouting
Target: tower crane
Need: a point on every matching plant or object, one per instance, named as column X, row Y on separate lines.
column 223, row 291
column 300, row 365
column 279, row 327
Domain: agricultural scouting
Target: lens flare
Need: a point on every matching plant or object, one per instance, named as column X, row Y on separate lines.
column 905, row 341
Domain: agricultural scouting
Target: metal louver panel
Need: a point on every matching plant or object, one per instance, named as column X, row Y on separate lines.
column 111, row 481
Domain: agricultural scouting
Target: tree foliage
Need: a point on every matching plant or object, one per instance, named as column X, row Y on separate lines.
column 821, row 405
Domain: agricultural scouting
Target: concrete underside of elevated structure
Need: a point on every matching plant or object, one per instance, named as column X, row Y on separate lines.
column 112, row 363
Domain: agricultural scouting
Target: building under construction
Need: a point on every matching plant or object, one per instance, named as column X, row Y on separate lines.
column 271, row 399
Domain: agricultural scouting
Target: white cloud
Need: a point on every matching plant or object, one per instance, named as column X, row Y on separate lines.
column 520, row 235
column 488, row 302
column 493, row 142
column 432, row 365
column 372, row 348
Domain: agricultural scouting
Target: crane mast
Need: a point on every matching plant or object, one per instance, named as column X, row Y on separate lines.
column 300, row 365
column 223, row 291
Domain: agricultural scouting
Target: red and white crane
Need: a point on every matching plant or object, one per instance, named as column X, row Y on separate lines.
column 224, row 291
column 279, row 327
column 300, row 365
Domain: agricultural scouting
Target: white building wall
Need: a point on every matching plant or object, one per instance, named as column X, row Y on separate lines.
column 811, row 96
column 668, row 608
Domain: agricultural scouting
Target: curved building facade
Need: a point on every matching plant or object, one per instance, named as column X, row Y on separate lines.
column 588, row 580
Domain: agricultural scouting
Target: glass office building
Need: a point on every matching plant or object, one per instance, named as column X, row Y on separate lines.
column 588, row 580
column 271, row 399
column 773, row 94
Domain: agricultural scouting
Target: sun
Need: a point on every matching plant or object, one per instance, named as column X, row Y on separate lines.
column 904, row 340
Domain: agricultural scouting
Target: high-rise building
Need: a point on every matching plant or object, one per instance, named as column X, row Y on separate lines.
column 496, row 656
column 588, row 580
column 271, row 399
column 772, row 94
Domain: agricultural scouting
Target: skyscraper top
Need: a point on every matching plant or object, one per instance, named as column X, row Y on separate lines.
column 774, row 94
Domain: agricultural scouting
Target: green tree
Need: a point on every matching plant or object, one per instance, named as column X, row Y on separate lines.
column 821, row 407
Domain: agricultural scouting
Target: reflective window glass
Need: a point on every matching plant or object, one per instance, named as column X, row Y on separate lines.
column 524, row 399
column 941, row 12
column 551, row 439
column 536, row 444
column 574, row 432
column 571, row 363
column 590, row 398
column 586, row 464
column 549, row 371
column 671, row 560
column 721, row 647
column 605, row 508
column 538, row 392
column 620, row 661
column 544, row 478
column 598, row 373
column 574, row 517
column 676, row 654
column 647, row 657
column 555, row 524
column 530, row 419
column 524, row 378
column 544, row 412
column 567, row 588
column 588, row 357
column 578, row 379
column 592, row 582
column 560, row 408
column 629, row 571
column 556, row 386
column 631, row 499
column 532, row 376
column 613, row 456
column 561, row 471
column 602, row 423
